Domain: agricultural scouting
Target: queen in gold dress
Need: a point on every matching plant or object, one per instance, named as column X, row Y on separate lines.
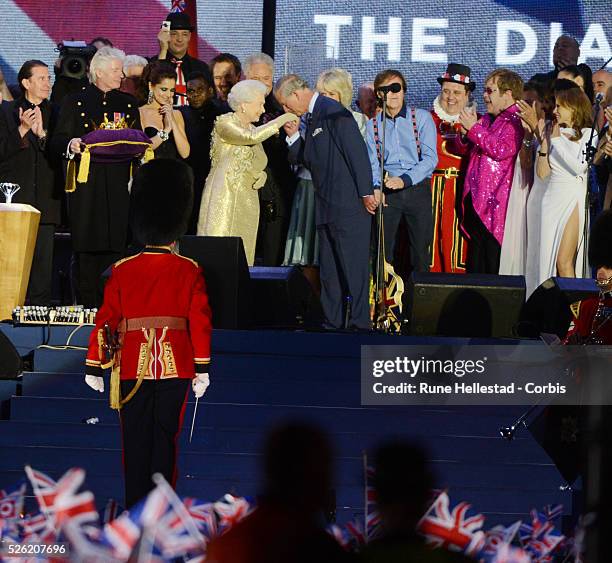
column 230, row 205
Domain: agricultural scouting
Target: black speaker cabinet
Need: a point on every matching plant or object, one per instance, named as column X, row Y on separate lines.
column 548, row 307
column 227, row 277
column 283, row 298
column 464, row 305
column 10, row 360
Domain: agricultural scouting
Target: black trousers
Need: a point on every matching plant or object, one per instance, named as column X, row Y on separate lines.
column 41, row 274
column 91, row 267
column 484, row 251
column 150, row 425
column 414, row 205
column 344, row 247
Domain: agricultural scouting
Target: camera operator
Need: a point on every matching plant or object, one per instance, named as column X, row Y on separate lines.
column 71, row 69
column 29, row 121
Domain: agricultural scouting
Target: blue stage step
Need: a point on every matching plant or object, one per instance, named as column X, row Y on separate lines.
column 258, row 379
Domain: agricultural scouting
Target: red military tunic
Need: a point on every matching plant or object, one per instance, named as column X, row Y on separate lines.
column 592, row 323
column 165, row 288
column 449, row 246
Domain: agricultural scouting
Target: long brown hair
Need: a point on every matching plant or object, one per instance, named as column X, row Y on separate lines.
column 578, row 102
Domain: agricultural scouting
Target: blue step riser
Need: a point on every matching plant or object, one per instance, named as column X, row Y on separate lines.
column 349, row 471
column 458, row 448
column 385, row 420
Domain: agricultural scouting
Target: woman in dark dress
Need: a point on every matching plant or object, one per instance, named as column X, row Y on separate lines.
column 161, row 123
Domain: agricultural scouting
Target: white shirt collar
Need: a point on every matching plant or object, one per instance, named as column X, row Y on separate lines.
column 312, row 102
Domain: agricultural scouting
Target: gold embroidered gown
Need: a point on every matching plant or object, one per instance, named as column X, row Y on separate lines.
column 230, row 205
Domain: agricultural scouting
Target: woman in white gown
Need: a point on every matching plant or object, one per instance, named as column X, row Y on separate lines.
column 556, row 242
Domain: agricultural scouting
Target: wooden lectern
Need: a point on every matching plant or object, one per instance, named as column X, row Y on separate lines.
column 18, row 229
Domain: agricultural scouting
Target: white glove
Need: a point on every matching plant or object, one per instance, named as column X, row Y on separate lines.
column 96, row 383
column 199, row 384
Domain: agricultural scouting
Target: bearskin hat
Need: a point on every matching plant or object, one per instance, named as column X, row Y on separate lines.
column 161, row 201
column 600, row 244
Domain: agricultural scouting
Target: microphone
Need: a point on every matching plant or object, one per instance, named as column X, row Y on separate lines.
column 395, row 88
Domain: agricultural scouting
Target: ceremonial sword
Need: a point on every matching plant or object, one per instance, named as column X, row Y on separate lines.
column 195, row 410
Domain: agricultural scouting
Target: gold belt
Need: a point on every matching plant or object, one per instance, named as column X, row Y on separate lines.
column 137, row 323
column 451, row 172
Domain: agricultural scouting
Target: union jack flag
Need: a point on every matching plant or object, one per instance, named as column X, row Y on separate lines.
column 230, row 510
column 70, row 506
column 499, row 536
column 539, row 537
column 508, row 554
column 452, row 530
column 11, row 500
column 45, row 489
column 373, row 520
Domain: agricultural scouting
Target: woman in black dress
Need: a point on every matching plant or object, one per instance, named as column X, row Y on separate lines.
column 161, row 123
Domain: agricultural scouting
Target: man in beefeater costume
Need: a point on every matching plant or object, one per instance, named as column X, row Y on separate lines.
column 449, row 246
column 156, row 304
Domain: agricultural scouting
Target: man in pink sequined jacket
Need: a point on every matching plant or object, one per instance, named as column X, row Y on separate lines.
column 494, row 142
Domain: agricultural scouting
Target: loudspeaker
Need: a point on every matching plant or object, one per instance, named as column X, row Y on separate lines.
column 283, row 297
column 464, row 305
column 548, row 307
column 227, row 277
column 10, row 360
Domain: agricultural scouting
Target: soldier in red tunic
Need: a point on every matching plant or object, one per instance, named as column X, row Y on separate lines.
column 449, row 246
column 593, row 322
column 156, row 304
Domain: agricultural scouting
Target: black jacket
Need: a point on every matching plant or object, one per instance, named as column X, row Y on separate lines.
column 98, row 209
column 28, row 162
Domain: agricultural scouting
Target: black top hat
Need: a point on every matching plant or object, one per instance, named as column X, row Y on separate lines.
column 179, row 20
column 459, row 74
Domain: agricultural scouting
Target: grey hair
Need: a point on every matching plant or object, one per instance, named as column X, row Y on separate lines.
column 244, row 91
column 134, row 60
column 286, row 85
column 258, row 58
column 102, row 58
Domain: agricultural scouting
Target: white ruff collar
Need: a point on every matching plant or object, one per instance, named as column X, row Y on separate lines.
column 441, row 113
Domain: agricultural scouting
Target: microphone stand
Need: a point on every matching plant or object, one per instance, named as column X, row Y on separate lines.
column 589, row 198
column 380, row 259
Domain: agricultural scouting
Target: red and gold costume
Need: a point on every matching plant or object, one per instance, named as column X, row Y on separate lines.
column 449, row 246
column 157, row 303
column 592, row 322
column 155, row 287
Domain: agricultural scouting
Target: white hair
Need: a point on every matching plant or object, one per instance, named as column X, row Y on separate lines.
column 134, row 60
column 244, row 92
column 286, row 85
column 101, row 59
column 258, row 58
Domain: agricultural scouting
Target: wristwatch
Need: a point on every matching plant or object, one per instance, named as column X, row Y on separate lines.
column 163, row 135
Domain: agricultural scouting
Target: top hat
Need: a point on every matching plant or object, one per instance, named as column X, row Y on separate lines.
column 179, row 20
column 459, row 74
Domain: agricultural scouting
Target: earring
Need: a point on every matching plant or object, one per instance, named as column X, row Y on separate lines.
column 150, row 97
column 243, row 110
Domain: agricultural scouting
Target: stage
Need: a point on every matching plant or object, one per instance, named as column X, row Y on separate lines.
column 260, row 377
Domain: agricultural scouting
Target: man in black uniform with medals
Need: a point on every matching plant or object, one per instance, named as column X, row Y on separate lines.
column 98, row 208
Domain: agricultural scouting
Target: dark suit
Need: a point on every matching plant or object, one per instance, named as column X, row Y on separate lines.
column 336, row 155
column 28, row 163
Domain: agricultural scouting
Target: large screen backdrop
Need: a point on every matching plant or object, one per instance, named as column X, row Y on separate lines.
column 31, row 29
column 420, row 37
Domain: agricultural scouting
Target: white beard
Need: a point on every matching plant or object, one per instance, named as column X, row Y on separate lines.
column 443, row 115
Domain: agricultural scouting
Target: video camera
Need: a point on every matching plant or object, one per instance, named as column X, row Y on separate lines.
column 75, row 57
